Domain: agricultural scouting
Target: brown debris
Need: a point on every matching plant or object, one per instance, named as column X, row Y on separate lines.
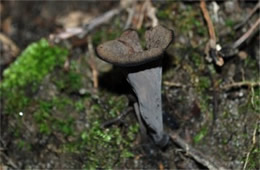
column 146, row 9
column 161, row 167
column 92, row 63
column 14, row 49
column 210, row 50
column 195, row 154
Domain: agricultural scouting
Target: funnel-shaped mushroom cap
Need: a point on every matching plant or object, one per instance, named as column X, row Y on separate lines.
column 127, row 51
column 158, row 37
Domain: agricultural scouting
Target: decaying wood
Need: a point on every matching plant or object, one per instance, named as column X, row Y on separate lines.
column 195, row 154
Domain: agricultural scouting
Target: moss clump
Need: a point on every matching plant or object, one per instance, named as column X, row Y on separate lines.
column 190, row 20
column 103, row 148
column 203, row 132
column 52, row 116
column 24, row 75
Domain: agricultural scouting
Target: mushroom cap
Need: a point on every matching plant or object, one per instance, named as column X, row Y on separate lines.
column 126, row 50
column 158, row 37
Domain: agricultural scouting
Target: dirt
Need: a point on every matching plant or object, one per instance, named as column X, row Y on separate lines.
column 221, row 123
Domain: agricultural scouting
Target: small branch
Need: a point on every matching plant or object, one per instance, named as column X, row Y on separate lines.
column 99, row 21
column 83, row 31
column 117, row 119
column 245, row 36
column 131, row 12
column 151, row 13
column 195, row 154
column 173, row 84
column 256, row 8
column 142, row 14
column 240, row 84
column 208, row 20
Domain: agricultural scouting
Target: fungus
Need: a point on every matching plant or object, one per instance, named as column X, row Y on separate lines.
column 144, row 73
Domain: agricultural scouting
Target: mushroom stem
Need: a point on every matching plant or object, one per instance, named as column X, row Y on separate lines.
column 146, row 84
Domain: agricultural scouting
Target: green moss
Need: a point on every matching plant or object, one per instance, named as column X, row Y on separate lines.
column 163, row 14
column 106, row 34
column 56, row 115
column 48, row 116
column 252, row 104
column 25, row 74
column 204, row 83
column 104, row 147
column 35, row 62
column 203, row 132
column 253, row 160
column 23, row 145
column 190, row 20
column 230, row 23
column 255, row 100
column 117, row 104
column 198, row 60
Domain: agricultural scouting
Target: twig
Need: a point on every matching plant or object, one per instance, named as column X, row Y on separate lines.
column 240, row 84
column 173, row 84
column 210, row 49
column 245, row 36
column 82, row 32
column 208, row 20
column 257, row 7
column 92, row 63
column 99, row 20
column 6, row 40
column 131, row 12
column 9, row 161
column 231, row 50
column 151, row 13
column 195, row 154
column 251, row 148
column 141, row 15
column 117, row 119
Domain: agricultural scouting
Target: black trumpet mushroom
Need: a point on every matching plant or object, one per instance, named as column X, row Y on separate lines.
column 144, row 73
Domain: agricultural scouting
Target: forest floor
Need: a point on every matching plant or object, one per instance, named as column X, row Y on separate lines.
column 52, row 107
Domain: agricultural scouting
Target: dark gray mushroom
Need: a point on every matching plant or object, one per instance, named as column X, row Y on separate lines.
column 144, row 72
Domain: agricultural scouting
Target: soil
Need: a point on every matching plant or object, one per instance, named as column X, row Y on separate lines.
column 223, row 124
